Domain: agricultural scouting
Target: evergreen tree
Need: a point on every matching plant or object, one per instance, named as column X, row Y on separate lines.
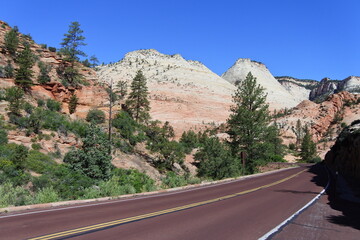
column 73, row 103
column 71, row 51
column 308, row 147
column 44, row 73
column 137, row 102
column 15, row 97
column 24, row 74
column 215, row 161
column 92, row 159
column 72, row 42
column 9, row 70
column 299, row 132
column 94, row 61
column 248, row 122
column 11, row 40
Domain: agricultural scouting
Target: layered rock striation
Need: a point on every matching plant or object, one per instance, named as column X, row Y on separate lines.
column 183, row 92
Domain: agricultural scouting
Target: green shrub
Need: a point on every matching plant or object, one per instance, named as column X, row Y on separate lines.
column 44, row 73
column 38, row 162
column 95, row 116
column 292, row 146
column 36, row 146
column 3, row 137
column 46, row 195
column 53, row 105
column 140, row 181
column 40, row 102
column 172, row 180
column 11, row 195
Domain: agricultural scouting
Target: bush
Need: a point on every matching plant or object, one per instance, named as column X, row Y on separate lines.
column 39, row 162
column 3, row 137
column 95, row 116
column 46, row 195
column 11, row 195
column 140, row 181
column 36, row 146
column 292, row 146
column 53, row 105
column 52, row 49
column 172, row 180
column 44, row 73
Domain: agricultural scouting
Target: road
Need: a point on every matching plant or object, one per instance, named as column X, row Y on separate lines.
column 242, row 209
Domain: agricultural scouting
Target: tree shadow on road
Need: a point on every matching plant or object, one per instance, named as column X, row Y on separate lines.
column 349, row 212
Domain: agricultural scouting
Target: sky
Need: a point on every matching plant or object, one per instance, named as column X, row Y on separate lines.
column 306, row 39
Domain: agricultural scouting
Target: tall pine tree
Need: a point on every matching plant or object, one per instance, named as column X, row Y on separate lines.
column 24, row 73
column 71, row 51
column 248, row 122
column 137, row 103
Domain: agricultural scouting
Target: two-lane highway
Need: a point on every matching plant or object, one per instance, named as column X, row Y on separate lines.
column 242, row 209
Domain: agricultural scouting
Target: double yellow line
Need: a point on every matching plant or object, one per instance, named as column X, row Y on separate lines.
column 154, row 214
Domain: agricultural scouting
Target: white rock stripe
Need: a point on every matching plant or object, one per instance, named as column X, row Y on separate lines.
column 288, row 220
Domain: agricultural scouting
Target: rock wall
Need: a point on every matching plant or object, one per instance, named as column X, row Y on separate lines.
column 344, row 156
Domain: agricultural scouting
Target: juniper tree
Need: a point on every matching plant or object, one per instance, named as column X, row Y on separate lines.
column 24, row 73
column 137, row 102
column 73, row 103
column 248, row 122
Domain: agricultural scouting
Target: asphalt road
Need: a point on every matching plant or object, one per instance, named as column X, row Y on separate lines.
column 243, row 209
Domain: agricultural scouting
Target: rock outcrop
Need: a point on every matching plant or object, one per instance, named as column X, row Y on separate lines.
column 299, row 88
column 324, row 88
column 344, row 156
column 324, row 119
column 350, row 84
column 183, row 92
column 277, row 96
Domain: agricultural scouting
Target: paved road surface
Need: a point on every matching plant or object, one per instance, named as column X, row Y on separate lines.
column 244, row 209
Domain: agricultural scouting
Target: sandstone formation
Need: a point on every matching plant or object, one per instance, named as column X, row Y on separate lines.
column 184, row 92
column 350, row 84
column 344, row 156
column 324, row 88
column 299, row 88
column 324, row 119
column 277, row 96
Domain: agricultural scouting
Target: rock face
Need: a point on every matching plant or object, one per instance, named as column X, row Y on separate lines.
column 324, row 119
column 277, row 96
column 299, row 88
column 184, row 92
column 325, row 87
column 350, row 84
column 344, row 156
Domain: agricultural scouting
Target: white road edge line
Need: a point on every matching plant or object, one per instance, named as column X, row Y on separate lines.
column 155, row 195
column 278, row 227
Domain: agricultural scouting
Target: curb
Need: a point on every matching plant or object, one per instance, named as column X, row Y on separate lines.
column 74, row 202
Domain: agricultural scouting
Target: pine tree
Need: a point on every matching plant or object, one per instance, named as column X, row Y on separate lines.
column 15, row 97
column 308, row 147
column 248, row 122
column 9, row 70
column 70, row 50
column 73, row 103
column 71, row 43
column 24, row 74
column 137, row 102
column 11, row 41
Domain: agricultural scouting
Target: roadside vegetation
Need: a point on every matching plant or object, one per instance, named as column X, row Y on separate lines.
column 29, row 176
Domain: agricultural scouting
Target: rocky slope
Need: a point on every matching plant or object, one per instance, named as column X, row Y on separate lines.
column 325, row 120
column 278, row 97
column 184, row 92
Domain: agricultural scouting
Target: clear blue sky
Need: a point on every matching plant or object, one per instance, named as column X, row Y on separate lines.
column 300, row 38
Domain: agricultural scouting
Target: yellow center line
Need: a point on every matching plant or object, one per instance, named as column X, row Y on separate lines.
column 158, row 213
